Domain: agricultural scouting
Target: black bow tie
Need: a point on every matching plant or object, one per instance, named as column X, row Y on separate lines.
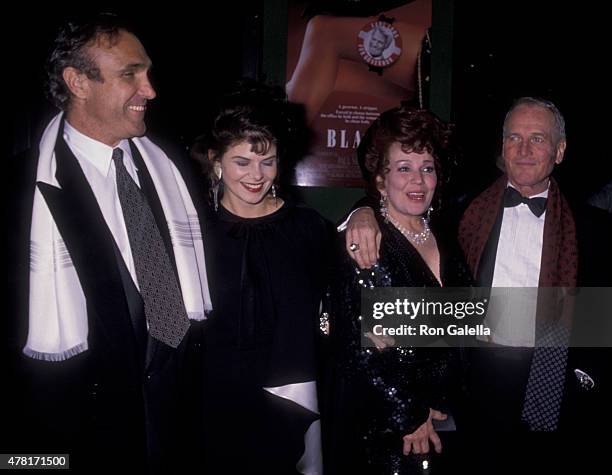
column 513, row 198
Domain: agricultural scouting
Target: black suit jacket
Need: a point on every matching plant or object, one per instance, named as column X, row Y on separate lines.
column 593, row 235
column 497, row 382
column 123, row 396
column 592, row 315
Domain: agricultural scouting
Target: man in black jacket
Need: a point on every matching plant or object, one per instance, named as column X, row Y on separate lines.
column 109, row 281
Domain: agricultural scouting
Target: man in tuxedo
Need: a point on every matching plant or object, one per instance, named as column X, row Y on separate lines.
column 522, row 233
column 109, row 269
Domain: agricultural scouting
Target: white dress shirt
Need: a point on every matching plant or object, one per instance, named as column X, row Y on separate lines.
column 512, row 312
column 95, row 159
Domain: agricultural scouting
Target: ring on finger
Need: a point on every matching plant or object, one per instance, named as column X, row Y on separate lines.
column 354, row 247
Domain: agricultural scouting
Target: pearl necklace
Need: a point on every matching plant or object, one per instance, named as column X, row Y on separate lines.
column 415, row 238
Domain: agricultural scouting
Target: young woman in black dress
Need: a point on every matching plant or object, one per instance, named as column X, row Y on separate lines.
column 267, row 263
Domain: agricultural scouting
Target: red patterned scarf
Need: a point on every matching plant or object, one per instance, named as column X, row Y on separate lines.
column 559, row 265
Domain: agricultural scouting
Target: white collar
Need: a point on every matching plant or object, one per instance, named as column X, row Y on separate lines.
column 96, row 153
column 544, row 194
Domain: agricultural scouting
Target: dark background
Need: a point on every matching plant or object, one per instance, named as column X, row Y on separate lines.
column 501, row 50
column 555, row 50
column 196, row 52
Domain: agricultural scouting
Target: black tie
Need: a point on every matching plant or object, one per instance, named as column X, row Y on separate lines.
column 163, row 302
column 513, row 198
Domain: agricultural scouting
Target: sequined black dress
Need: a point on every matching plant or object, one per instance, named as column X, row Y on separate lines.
column 380, row 396
column 266, row 276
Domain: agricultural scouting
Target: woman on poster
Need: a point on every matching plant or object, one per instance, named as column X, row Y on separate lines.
column 360, row 47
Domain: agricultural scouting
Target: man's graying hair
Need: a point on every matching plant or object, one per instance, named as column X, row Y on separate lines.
column 536, row 102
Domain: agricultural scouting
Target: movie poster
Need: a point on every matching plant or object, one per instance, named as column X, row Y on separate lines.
column 346, row 65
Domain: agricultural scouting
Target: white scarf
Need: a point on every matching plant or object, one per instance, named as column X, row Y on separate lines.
column 58, row 326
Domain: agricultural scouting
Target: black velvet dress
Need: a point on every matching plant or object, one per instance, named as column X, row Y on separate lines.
column 267, row 276
column 381, row 396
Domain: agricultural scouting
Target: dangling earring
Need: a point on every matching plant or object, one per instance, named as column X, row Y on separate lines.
column 215, row 189
column 218, row 170
column 428, row 214
column 273, row 191
column 384, row 211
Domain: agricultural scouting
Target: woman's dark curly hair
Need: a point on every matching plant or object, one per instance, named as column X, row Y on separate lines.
column 69, row 50
column 251, row 112
column 417, row 130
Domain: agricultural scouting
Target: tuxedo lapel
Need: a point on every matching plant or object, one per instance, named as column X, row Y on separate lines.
column 486, row 266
